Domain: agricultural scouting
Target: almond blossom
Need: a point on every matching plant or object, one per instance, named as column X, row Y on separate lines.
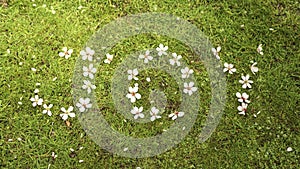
column 87, row 54
column 229, row 68
column 133, row 95
column 47, row 109
column 189, row 88
column 137, row 112
column 253, row 68
column 109, row 58
column 65, row 52
column 88, row 86
column 175, row 59
column 146, row 56
column 67, row 113
column 216, row 52
column 89, row 71
column 154, row 114
column 242, row 108
column 242, row 97
column 186, row 72
column 176, row 114
column 132, row 74
column 36, row 101
column 246, row 82
column 162, row 50
column 84, row 104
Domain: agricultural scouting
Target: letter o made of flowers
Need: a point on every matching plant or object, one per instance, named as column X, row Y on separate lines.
column 96, row 53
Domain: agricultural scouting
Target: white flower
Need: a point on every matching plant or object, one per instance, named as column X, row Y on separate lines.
column 242, row 108
column 88, row 85
column 259, row 49
column 87, row 54
column 253, row 67
column 132, row 74
column 289, row 149
column 109, row 58
column 189, row 88
column 36, row 101
column 89, row 71
column 175, row 59
column 36, row 91
column 67, row 113
column 216, row 52
column 229, row 68
column 176, row 114
column 66, row 53
column 246, row 82
column 146, row 56
column 242, row 97
column 133, row 95
column 186, row 72
column 137, row 112
column 84, row 104
column 154, row 114
column 47, row 109
column 162, row 50
column 53, row 155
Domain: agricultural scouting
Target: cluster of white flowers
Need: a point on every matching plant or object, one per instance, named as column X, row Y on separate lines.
column 245, row 81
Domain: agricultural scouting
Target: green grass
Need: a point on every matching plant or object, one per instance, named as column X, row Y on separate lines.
column 35, row 36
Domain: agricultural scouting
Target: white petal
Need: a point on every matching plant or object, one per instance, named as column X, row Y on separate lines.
column 70, row 109
column 72, row 114
column 138, row 96
column 238, row 94
column 180, row 114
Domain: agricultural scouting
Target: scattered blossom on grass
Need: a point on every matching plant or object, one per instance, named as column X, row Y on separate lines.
column 133, row 95
column 243, row 98
column 246, row 82
column 109, row 58
column 216, row 52
column 65, row 52
column 189, row 88
column 259, row 49
column 186, row 72
column 89, row 71
column 175, row 59
column 255, row 115
column 67, row 113
column 162, row 50
column 88, row 86
column 289, row 149
column 154, row 114
column 84, row 104
column 229, row 68
column 242, row 108
column 47, row 109
column 36, row 101
column 146, row 56
column 53, row 155
column 87, row 54
column 253, row 68
column 132, row 74
column 137, row 112
column 176, row 114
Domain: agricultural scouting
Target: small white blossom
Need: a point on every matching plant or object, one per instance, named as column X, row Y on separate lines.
column 154, row 114
column 148, row 79
column 109, row 58
column 88, row 86
column 162, row 50
column 53, row 12
column 89, row 71
column 216, row 52
column 65, row 52
column 137, row 112
column 242, row 108
column 253, row 67
column 53, row 155
column 146, row 56
column 132, row 74
column 176, row 114
column 47, row 109
column 67, row 113
column 84, row 104
column 36, row 101
column 175, row 59
column 36, row 91
column 189, row 88
column 87, row 54
column 289, row 149
column 259, row 49
column 246, row 82
column 133, row 95
column 229, row 68
column 242, row 97
column 186, row 72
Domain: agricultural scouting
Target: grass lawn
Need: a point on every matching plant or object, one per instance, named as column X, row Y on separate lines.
column 33, row 33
